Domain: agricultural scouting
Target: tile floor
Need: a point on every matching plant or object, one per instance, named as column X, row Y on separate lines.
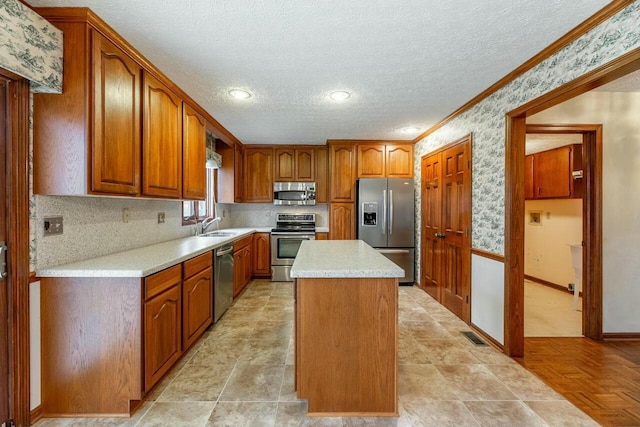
column 241, row 374
column 549, row 312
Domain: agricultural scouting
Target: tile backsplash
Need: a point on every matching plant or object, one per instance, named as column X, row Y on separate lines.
column 264, row 215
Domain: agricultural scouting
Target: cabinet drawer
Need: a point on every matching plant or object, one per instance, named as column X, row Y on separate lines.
column 157, row 283
column 239, row 244
column 197, row 264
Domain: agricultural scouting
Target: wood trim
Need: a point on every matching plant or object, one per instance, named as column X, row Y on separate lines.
column 18, row 242
column 620, row 336
column 514, row 236
column 487, row 254
column 86, row 15
column 486, row 336
column 33, row 277
column 593, row 21
column 368, row 141
column 36, row 415
column 549, row 284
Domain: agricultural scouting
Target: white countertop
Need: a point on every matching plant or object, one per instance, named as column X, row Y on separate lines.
column 342, row 258
column 147, row 260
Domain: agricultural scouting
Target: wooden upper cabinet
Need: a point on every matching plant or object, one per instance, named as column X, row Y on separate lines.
column 399, row 160
column 258, row 174
column 371, row 161
column 238, row 176
column 162, row 140
column 294, row 164
column 115, row 146
column 342, row 167
column 552, row 173
column 322, row 175
column 381, row 160
column 194, row 152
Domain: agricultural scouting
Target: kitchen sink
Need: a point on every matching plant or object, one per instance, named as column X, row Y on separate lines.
column 217, row 234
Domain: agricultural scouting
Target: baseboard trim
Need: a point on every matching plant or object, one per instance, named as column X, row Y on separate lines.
column 549, row 284
column 621, row 336
column 35, row 415
column 487, row 337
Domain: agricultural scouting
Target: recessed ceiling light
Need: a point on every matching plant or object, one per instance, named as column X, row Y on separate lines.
column 410, row 129
column 339, row 95
column 240, row 94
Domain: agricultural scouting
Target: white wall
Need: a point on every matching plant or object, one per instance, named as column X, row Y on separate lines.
column 487, row 299
column 547, row 255
column 618, row 112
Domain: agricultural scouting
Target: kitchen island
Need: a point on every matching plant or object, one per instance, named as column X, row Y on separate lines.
column 346, row 329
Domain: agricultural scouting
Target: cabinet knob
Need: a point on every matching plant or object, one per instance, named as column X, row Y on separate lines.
column 440, row 235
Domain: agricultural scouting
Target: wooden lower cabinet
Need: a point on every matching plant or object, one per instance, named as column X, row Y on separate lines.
column 342, row 221
column 162, row 333
column 262, row 254
column 242, row 264
column 322, row 236
column 116, row 337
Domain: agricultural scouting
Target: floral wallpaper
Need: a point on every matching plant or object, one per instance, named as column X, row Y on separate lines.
column 485, row 121
column 30, row 46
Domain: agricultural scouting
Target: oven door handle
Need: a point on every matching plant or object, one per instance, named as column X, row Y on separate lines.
column 295, row 235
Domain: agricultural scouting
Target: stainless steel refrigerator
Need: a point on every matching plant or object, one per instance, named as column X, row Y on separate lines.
column 386, row 220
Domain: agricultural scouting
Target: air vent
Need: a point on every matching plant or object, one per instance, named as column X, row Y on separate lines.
column 474, row 338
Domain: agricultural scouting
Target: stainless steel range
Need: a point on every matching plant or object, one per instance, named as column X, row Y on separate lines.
column 291, row 230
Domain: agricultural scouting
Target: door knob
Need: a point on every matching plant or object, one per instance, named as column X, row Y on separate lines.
column 440, row 235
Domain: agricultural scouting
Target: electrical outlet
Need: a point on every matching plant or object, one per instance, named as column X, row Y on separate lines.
column 52, row 225
column 160, row 217
column 125, row 215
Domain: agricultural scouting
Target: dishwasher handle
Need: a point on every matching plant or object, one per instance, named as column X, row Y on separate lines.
column 224, row 251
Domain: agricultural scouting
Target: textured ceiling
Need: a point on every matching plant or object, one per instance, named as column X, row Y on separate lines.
column 406, row 62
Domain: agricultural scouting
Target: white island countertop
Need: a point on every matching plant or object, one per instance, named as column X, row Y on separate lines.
column 341, row 258
column 144, row 261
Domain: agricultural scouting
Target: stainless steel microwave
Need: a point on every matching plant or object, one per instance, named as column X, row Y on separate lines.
column 294, row 193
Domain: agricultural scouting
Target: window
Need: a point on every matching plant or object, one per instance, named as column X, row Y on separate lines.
column 194, row 211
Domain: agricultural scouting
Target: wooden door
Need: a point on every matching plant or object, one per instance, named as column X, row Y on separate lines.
column 162, row 140
column 342, row 221
column 342, row 164
column 194, row 151
column 371, row 161
column 431, row 195
column 262, row 254
column 456, row 209
column 284, row 164
column 322, row 175
column 4, row 288
column 115, row 143
column 399, row 161
column 258, row 176
column 162, row 332
column 304, row 163
column 197, row 299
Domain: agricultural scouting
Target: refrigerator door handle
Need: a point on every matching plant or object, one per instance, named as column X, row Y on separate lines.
column 384, row 212
column 390, row 212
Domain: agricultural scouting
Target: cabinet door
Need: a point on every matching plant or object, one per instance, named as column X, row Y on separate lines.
column 238, row 173
column 262, row 254
column 162, row 140
column 553, row 173
column 304, row 165
column 238, row 271
column 399, row 161
column 322, row 236
column 248, row 265
column 371, row 161
column 162, row 332
column 342, row 221
column 322, row 175
column 115, row 143
column 197, row 298
column 284, row 164
column 194, row 152
column 529, row 192
column 258, row 177
column 342, row 164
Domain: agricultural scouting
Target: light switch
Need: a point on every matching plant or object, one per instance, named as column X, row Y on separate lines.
column 52, row 225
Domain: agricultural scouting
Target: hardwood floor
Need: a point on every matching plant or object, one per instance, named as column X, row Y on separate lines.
column 602, row 379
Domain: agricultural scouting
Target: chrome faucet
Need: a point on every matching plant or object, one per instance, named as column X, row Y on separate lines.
column 207, row 222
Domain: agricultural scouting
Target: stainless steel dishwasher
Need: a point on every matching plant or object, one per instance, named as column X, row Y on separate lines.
column 223, row 283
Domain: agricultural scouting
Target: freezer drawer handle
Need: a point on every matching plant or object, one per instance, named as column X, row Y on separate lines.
column 440, row 235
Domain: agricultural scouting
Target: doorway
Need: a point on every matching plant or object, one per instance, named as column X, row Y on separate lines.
column 445, row 193
column 4, row 290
